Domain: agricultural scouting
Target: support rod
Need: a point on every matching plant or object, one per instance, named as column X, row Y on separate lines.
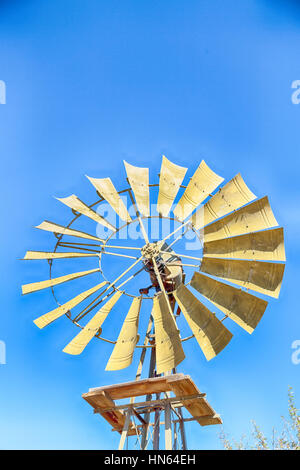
column 125, row 429
column 168, row 427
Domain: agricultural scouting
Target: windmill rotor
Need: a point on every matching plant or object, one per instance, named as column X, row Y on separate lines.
column 240, row 247
column 241, row 250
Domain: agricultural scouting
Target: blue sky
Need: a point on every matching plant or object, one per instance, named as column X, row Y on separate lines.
column 92, row 83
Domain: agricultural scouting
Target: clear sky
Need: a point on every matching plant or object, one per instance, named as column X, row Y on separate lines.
column 90, row 83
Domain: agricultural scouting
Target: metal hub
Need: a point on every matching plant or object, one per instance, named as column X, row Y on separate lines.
column 150, row 250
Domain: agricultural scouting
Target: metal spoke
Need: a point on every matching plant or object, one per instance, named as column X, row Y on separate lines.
column 175, row 231
column 112, row 284
column 74, row 247
column 91, row 307
column 118, row 254
column 129, row 278
column 145, row 236
column 122, row 247
column 99, row 245
column 126, row 271
column 77, row 243
column 98, row 251
column 179, row 237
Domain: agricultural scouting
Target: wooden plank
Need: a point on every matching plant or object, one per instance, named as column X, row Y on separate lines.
column 115, row 418
column 135, row 388
column 197, row 407
column 209, row 420
column 185, row 390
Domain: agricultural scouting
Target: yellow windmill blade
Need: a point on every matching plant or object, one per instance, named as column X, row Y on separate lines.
column 261, row 276
column 36, row 286
column 105, row 187
column 243, row 308
column 255, row 216
column 170, row 179
column 77, row 205
column 208, row 330
column 267, row 245
column 203, row 182
column 122, row 354
column 56, row 228
column 138, row 179
column 77, row 345
column 168, row 348
column 35, row 255
column 230, row 197
column 49, row 317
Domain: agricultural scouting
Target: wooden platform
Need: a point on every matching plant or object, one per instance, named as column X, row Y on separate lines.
column 185, row 391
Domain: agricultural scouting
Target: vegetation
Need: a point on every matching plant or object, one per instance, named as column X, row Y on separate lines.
column 287, row 438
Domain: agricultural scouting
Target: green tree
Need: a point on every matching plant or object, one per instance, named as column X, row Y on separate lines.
column 287, row 438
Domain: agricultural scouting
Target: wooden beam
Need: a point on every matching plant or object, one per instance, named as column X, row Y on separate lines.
column 135, row 388
column 151, row 404
column 139, row 417
column 125, row 429
column 187, row 395
column 185, row 420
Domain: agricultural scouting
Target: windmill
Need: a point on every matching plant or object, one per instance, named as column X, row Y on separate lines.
column 242, row 249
